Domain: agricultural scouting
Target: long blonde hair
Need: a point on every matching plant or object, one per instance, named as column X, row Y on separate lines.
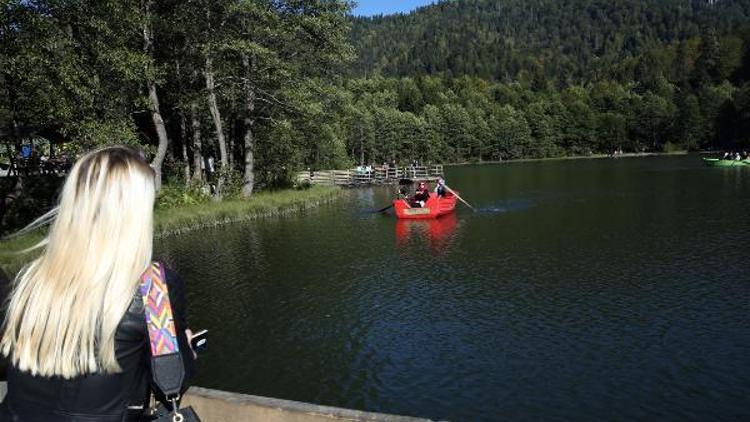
column 66, row 305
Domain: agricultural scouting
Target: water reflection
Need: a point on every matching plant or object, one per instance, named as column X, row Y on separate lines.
column 437, row 233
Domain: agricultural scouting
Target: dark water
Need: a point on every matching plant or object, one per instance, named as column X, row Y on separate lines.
column 581, row 290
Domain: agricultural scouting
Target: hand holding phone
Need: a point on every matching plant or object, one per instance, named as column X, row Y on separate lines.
column 199, row 341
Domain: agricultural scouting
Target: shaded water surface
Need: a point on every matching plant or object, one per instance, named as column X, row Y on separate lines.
column 580, row 290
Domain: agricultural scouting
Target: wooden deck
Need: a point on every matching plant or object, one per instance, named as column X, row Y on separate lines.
column 222, row 406
column 378, row 176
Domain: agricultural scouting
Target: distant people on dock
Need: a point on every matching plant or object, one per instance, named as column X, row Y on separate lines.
column 364, row 169
column 26, row 151
column 421, row 195
column 209, row 169
column 74, row 334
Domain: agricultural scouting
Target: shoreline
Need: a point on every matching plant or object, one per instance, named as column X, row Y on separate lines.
column 175, row 221
column 577, row 157
column 178, row 220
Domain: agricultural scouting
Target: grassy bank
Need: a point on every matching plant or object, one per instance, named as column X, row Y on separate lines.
column 11, row 258
column 173, row 221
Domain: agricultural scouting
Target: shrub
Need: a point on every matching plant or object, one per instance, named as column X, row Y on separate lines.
column 670, row 147
column 175, row 195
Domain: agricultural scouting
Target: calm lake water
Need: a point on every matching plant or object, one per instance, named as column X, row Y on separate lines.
column 581, row 290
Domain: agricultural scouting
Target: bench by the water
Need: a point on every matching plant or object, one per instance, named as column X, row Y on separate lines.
column 377, row 175
column 221, row 406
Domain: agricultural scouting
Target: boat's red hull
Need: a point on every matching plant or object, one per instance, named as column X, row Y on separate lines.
column 434, row 208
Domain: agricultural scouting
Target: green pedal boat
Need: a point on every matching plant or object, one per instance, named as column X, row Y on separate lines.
column 717, row 162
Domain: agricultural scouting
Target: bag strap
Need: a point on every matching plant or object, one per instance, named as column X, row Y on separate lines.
column 167, row 367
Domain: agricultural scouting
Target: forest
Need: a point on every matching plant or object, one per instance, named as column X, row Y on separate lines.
column 268, row 88
column 481, row 80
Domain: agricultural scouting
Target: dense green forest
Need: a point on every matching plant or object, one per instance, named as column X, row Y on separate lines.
column 568, row 41
column 490, row 80
column 268, row 87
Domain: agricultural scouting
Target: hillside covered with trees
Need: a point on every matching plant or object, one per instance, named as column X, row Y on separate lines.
column 268, row 88
column 569, row 41
column 498, row 79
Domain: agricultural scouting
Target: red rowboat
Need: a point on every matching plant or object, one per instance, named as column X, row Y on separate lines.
column 433, row 208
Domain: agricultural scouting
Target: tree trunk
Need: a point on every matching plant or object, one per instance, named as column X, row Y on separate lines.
column 361, row 147
column 15, row 129
column 197, row 155
column 231, row 133
column 183, row 141
column 22, row 166
column 216, row 117
column 248, row 178
column 161, row 130
column 13, row 169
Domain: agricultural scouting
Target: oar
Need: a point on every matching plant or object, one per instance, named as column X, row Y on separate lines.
column 384, row 209
column 459, row 197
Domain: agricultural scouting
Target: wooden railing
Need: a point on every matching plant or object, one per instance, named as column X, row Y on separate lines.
column 378, row 175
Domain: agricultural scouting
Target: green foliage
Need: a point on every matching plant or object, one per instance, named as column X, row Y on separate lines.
column 513, row 136
column 175, row 195
column 38, row 195
column 458, row 81
column 534, row 41
column 277, row 157
column 672, row 148
column 232, row 182
column 92, row 133
column 581, row 77
column 264, row 204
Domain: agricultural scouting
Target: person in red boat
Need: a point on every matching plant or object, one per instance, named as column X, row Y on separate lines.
column 421, row 195
column 440, row 187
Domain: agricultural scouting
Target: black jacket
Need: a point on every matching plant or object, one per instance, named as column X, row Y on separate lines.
column 99, row 397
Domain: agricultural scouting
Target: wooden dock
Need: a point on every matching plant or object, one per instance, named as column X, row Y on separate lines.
column 222, row 406
column 376, row 176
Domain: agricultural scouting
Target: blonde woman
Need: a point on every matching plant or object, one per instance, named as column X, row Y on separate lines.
column 74, row 329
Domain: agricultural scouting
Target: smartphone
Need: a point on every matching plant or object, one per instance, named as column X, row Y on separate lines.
column 199, row 341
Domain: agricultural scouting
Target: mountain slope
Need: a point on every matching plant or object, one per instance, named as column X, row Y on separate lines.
column 566, row 40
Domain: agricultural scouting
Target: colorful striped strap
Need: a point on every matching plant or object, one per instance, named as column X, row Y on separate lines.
column 158, row 311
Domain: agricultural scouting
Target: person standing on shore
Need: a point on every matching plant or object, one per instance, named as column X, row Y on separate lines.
column 75, row 332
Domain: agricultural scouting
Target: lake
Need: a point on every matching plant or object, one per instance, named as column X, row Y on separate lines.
column 604, row 289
